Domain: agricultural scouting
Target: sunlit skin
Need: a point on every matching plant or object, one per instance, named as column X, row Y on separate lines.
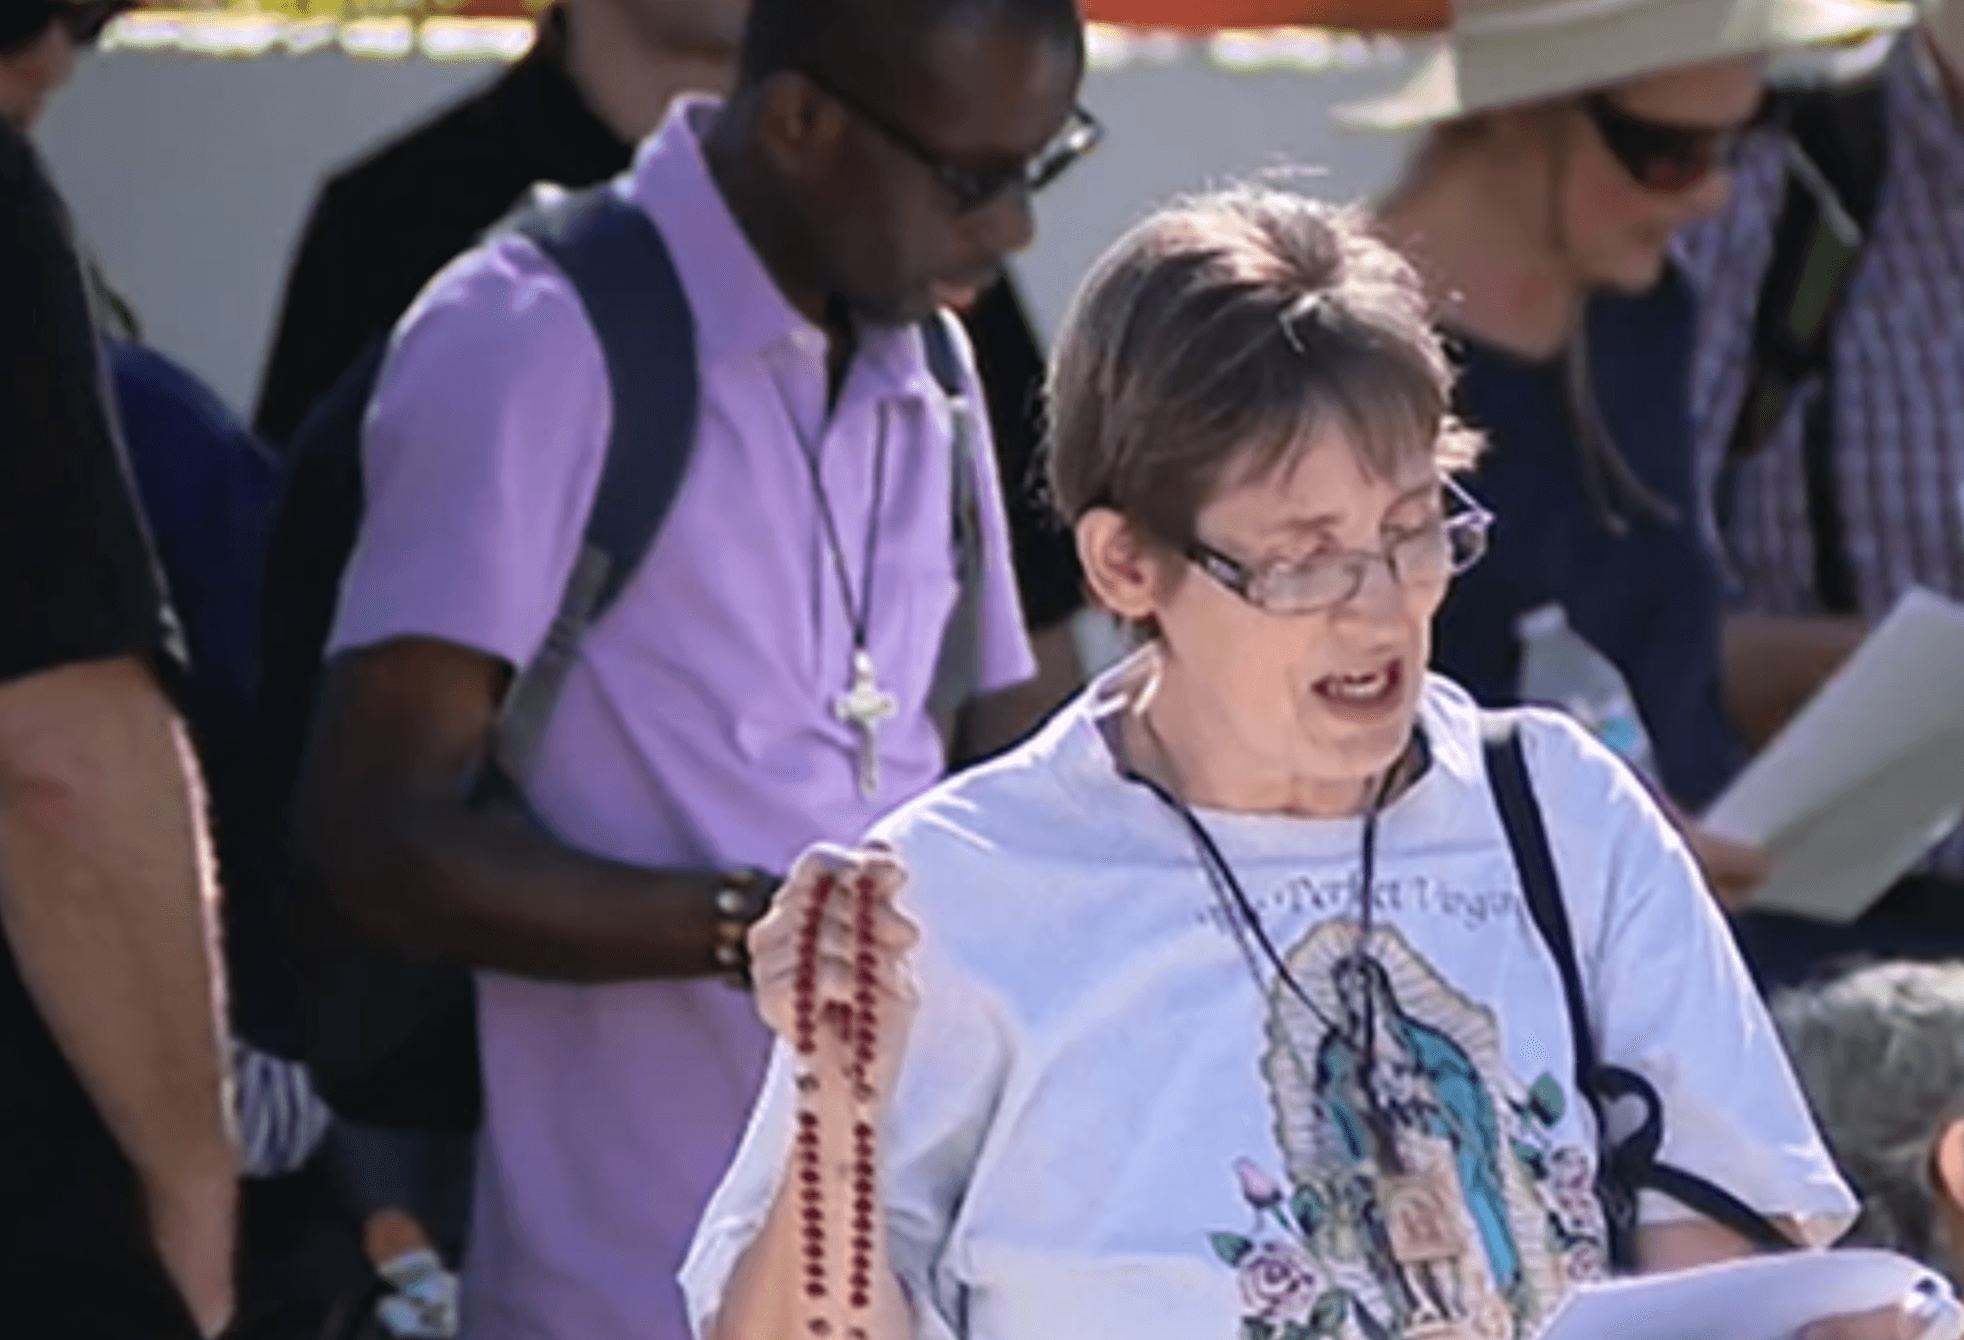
column 1525, row 210
column 1616, row 229
column 1252, row 706
column 1000, row 98
column 844, row 214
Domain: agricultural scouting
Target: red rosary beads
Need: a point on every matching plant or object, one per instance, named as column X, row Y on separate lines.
column 858, row 1026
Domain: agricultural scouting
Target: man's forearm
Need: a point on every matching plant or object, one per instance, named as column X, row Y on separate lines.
column 1775, row 663
column 386, row 832
column 108, row 901
column 487, row 888
column 992, row 724
column 1685, row 1244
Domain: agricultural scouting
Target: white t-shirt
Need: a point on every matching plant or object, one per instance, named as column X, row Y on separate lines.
column 1110, row 1124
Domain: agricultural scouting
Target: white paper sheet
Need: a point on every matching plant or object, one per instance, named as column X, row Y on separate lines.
column 1761, row 1298
column 1867, row 776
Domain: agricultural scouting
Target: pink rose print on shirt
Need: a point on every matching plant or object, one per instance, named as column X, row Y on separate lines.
column 1278, row 1283
column 1257, row 1187
column 1287, row 1293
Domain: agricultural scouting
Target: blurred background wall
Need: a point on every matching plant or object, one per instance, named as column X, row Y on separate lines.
column 190, row 175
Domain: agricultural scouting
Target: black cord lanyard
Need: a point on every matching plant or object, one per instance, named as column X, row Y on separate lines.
column 1245, row 921
column 859, row 614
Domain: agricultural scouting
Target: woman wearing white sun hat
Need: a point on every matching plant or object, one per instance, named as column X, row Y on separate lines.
column 1563, row 143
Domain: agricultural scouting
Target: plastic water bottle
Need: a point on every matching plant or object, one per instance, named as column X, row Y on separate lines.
column 1560, row 669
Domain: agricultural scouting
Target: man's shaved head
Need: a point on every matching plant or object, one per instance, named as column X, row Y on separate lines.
column 844, row 37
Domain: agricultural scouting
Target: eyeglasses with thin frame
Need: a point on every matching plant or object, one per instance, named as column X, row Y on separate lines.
column 971, row 188
column 1436, row 550
column 1660, row 156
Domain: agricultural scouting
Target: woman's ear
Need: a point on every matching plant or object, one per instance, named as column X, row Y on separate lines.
column 1947, row 1166
column 1127, row 576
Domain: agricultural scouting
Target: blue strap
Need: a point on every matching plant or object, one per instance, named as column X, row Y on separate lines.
column 620, row 267
column 615, row 258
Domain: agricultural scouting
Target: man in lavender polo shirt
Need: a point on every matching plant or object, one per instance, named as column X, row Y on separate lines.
column 876, row 157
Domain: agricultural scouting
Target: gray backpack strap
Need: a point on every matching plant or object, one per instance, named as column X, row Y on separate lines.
column 618, row 264
column 958, row 670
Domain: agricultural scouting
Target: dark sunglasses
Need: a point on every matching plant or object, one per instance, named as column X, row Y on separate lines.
column 1660, row 156
column 971, row 188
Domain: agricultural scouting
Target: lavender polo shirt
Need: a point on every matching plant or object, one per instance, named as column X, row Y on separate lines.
column 697, row 728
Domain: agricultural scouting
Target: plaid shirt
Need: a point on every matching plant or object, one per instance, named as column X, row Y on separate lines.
column 1898, row 350
column 1898, row 365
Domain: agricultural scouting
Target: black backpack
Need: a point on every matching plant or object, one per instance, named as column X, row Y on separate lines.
column 1836, row 142
column 392, row 1041
column 1624, row 1167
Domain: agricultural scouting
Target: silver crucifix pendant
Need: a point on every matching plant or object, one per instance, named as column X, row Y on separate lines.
column 864, row 707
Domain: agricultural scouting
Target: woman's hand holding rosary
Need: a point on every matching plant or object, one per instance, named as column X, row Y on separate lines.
column 831, row 966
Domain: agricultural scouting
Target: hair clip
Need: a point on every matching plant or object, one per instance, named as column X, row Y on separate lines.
column 1308, row 307
column 1287, row 320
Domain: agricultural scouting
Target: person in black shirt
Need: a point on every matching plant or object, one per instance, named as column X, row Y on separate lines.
column 596, row 81
column 117, row 1183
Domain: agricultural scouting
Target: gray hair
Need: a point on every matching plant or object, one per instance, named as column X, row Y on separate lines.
column 1880, row 1052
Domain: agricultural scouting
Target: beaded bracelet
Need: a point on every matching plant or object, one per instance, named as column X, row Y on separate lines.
column 741, row 899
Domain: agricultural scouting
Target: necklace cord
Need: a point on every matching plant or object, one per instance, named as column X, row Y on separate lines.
column 1243, row 917
column 1221, row 876
column 859, row 612
column 1368, row 905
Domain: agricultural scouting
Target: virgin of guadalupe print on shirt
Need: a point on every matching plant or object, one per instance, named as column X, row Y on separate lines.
column 1422, row 1194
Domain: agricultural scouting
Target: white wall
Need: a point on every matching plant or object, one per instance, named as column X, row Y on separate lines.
column 191, row 175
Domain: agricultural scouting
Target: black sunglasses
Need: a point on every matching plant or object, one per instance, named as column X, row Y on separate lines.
column 972, row 188
column 1660, row 156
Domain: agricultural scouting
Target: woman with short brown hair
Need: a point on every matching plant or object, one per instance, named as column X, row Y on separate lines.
column 1215, row 1008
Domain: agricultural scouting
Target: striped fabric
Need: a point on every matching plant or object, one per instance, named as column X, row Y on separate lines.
column 1898, row 367
column 282, row 1121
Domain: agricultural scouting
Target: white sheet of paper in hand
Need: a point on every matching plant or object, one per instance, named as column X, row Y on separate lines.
column 1869, row 774
column 1760, row 1298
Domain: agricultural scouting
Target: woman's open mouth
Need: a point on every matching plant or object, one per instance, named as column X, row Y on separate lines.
column 1365, row 694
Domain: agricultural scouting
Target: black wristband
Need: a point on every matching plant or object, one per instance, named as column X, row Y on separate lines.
column 742, row 898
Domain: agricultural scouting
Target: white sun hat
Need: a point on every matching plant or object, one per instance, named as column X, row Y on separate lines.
column 1507, row 53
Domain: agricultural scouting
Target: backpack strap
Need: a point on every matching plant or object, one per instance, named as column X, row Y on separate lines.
column 1534, row 860
column 614, row 256
column 1627, row 1166
column 1835, row 163
column 957, row 670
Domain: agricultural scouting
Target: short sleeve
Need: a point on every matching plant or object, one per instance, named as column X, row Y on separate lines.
column 951, row 1081
column 1004, row 657
column 1048, row 575
column 80, row 582
column 1671, row 997
column 481, row 454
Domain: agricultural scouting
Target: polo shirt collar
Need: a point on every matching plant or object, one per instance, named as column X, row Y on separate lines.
column 739, row 309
